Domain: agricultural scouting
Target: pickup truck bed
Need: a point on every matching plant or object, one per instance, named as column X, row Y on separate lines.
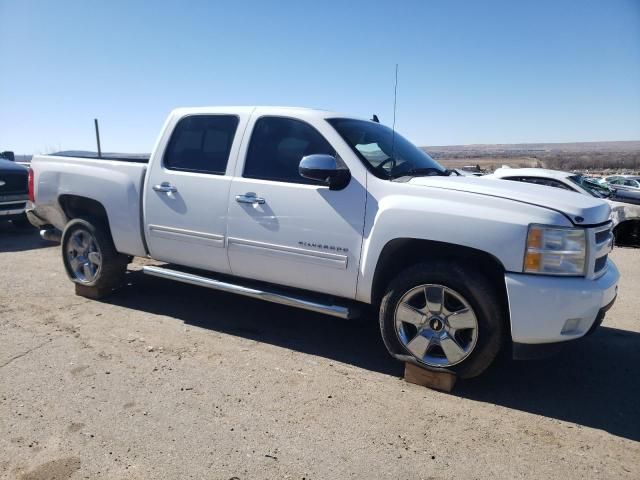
column 114, row 185
column 122, row 157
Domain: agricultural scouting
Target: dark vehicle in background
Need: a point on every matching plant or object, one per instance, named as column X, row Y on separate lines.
column 14, row 193
column 8, row 156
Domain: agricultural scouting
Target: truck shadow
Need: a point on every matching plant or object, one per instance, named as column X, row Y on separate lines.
column 13, row 239
column 593, row 382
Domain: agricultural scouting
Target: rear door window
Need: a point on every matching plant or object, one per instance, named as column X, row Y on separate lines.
column 201, row 143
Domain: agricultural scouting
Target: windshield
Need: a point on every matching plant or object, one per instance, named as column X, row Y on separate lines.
column 386, row 154
column 599, row 191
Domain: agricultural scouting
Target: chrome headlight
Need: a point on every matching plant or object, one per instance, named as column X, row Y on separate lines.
column 555, row 251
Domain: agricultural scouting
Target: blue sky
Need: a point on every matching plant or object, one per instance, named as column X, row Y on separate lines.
column 470, row 72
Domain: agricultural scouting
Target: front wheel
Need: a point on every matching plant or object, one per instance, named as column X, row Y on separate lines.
column 444, row 317
column 90, row 257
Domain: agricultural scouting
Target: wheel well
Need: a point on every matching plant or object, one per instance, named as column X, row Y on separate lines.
column 75, row 206
column 627, row 233
column 399, row 254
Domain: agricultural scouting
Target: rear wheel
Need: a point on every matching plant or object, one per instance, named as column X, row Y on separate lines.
column 90, row 258
column 443, row 317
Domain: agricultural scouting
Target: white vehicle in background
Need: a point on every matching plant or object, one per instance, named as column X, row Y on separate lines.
column 330, row 213
column 624, row 215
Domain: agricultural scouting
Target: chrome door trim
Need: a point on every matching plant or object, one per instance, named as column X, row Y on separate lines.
column 284, row 252
column 250, row 198
column 165, row 187
column 184, row 235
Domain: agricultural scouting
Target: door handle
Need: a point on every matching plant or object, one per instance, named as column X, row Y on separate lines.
column 250, row 198
column 165, row 187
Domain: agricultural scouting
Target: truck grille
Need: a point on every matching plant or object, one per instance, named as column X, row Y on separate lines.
column 603, row 235
column 603, row 240
column 13, row 183
column 600, row 263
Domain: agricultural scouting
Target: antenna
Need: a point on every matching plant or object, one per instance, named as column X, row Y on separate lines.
column 395, row 102
column 95, row 122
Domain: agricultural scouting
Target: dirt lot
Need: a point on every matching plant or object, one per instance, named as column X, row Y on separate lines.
column 172, row 381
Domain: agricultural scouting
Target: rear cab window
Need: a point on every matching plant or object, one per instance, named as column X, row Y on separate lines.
column 201, row 144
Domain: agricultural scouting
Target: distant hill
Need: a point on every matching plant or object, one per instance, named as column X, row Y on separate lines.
column 559, row 156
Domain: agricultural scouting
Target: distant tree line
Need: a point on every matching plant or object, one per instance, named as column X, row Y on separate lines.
column 592, row 161
column 553, row 160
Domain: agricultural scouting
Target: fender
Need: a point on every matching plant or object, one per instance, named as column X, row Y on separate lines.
column 486, row 223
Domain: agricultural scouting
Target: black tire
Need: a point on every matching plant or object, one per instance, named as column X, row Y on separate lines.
column 22, row 222
column 476, row 289
column 110, row 274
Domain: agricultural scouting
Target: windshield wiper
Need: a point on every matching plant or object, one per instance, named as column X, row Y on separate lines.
column 427, row 171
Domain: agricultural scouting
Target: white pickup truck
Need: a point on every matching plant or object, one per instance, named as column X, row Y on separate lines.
column 329, row 213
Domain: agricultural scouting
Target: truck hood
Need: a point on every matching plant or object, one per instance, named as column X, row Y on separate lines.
column 571, row 204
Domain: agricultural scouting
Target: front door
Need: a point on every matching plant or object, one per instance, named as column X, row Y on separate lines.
column 187, row 191
column 286, row 229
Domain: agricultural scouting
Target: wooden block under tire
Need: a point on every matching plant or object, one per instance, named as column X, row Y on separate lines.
column 443, row 381
column 92, row 292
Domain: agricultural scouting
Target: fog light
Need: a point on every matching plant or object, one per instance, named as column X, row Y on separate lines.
column 571, row 326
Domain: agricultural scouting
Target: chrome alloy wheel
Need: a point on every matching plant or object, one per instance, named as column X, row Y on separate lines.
column 436, row 325
column 83, row 256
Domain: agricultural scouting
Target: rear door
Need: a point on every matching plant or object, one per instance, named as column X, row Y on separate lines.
column 286, row 229
column 187, row 190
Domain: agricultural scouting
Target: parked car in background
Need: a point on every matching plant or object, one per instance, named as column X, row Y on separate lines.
column 598, row 180
column 7, row 155
column 334, row 214
column 624, row 182
column 13, row 193
column 625, row 205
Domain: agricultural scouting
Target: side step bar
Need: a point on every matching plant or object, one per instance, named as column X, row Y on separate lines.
column 269, row 296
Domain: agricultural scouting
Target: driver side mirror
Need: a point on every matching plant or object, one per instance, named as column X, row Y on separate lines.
column 324, row 168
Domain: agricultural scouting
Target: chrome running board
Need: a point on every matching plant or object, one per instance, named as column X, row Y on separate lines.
column 269, row 296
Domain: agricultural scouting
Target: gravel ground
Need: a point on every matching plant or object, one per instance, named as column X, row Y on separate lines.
column 165, row 380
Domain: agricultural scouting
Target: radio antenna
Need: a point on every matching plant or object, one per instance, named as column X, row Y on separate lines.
column 395, row 103
column 95, row 123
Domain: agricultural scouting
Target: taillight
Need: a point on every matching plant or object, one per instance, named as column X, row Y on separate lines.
column 32, row 196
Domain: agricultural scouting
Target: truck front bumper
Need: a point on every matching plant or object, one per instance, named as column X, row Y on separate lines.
column 547, row 309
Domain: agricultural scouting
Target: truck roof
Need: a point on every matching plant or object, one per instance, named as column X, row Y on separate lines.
column 303, row 112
